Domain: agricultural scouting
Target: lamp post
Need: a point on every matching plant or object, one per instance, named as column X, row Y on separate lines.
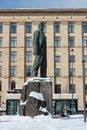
column 72, row 82
column 84, row 96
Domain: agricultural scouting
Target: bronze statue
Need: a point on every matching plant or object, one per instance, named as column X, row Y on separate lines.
column 39, row 50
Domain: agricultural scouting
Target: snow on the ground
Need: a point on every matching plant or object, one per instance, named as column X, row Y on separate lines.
column 74, row 122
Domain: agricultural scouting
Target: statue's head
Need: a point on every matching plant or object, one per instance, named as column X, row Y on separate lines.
column 41, row 26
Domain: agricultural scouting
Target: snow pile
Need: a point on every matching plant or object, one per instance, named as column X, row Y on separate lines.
column 43, row 109
column 75, row 122
column 23, row 103
column 36, row 95
column 38, row 79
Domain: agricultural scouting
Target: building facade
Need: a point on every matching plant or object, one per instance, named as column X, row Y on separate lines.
column 66, row 34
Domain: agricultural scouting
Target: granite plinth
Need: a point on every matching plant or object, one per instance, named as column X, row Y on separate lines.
column 29, row 104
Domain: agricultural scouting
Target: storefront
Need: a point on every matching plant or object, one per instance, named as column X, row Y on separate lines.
column 65, row 106
column 13, row 103
column 12, row 107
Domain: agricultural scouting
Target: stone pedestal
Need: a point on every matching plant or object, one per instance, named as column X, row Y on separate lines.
column 30, row 105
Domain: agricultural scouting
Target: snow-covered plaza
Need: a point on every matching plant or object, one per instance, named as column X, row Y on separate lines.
column 74, row 122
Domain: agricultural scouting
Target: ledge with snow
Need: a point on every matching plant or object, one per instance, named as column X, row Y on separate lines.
column 36, row 97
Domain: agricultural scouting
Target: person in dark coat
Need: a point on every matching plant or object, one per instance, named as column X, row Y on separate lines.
column 39, row 50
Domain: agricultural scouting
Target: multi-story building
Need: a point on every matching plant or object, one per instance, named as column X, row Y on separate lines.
column 66, row 33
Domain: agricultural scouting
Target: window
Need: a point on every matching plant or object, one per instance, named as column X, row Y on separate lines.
column 0, row 71
column 84, row 43
column 57, row 88
column 71, row 41
column 0, row 101
column 84, row 27
column 13, row 42
column 57, row 27
column 0, row 85
column 28, row 42
column 72, row 88
column 13, row 106
column 13, row 85
column 13, row 71
column 44, row 24
column 28, row 27
column 71, row 27
column 71, row 58
column 72, row 72
column 13, row 28
column 0, row 42
column 57, row 59
column 85, row 58
column 86, row 89
column 13, row 56
column 57, row 41
column 57, row 72
column 28, row 56
column 85, row 73
column 28, row 70
column 1, row 28
column 0, row 56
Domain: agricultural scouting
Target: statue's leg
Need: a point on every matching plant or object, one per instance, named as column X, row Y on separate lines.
column 43, row 69
column 37, row 63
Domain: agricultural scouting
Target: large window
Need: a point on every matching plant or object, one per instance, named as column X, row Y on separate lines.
column 57, row 88
column 28, row 42
column 84, row 42
column 13, row 28
column 71, row 41
column 28, row 27
column 28, row 56
column 28, row 70
column 13, row 107
column 0, row 101
column 57, row 27
column 86, row 89
column 13, row 71
column 72, row 88
column 71, row 27
column 13, row 85
column 13, row 56
column 0, row 42
column 0, row 71
column 72, row 72
column 85, row 58
column 71, row 58
column 44, row 27
column 1, row 28
column 57, row 59
column 57, row 72
column 57, row 42
column 85, row 71
column 13, row 42
column 0, row 56
column 0, row 85
column 84, row 27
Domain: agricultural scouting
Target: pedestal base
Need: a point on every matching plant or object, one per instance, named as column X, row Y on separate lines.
column 30, row 104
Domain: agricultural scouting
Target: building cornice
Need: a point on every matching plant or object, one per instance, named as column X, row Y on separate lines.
column 49, row 10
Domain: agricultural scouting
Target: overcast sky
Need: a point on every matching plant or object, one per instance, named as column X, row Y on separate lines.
column 43, row 4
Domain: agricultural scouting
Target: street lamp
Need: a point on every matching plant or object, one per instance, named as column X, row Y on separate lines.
column 72, row 82
column 84, row 96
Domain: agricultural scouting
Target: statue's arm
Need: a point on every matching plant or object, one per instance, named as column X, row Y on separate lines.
column 36, row 43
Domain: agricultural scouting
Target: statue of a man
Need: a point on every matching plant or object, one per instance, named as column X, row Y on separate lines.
column 39, row 50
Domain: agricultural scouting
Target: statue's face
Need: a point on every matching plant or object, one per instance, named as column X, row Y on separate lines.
column 41, row 27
